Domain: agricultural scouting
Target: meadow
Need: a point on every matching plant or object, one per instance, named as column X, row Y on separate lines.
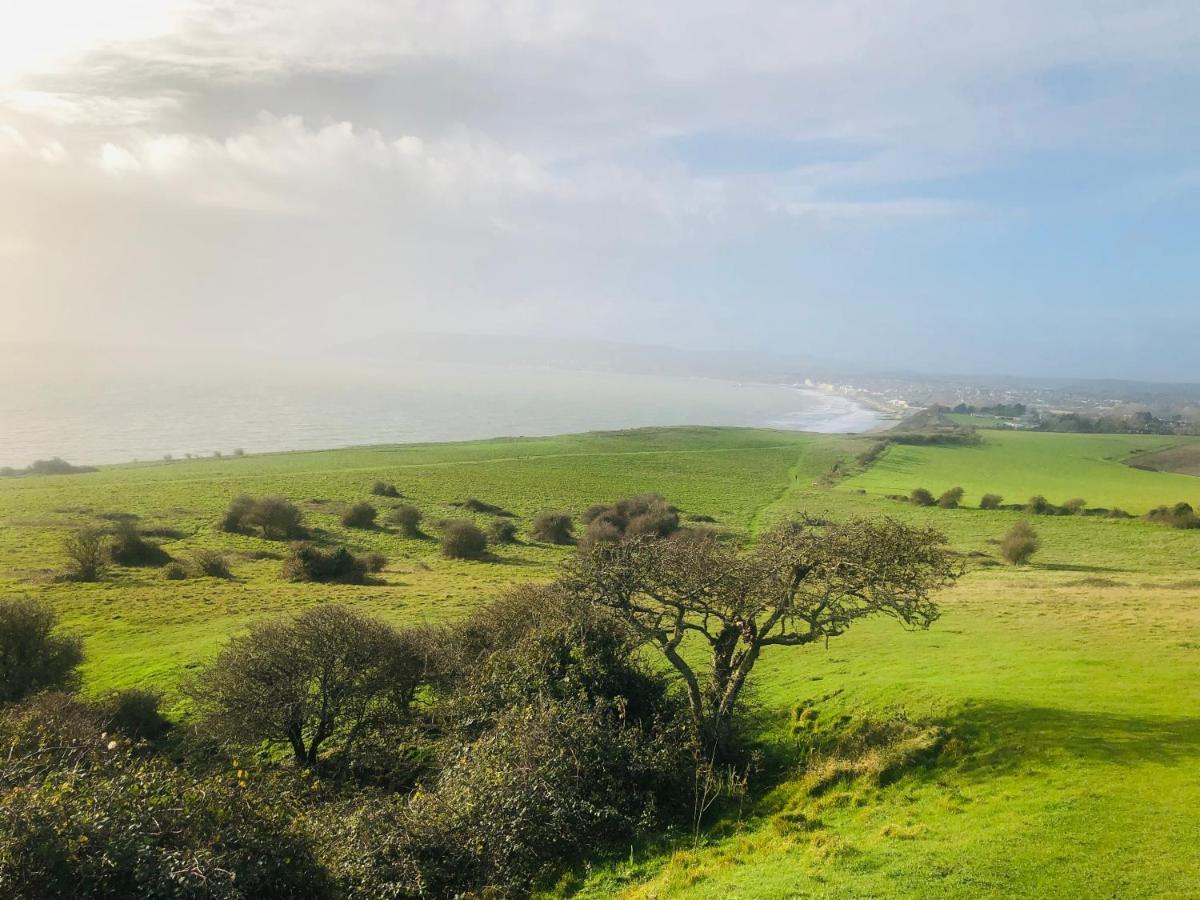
column 1066, row 690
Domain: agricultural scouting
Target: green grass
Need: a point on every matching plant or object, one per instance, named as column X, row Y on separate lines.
column 1020, row 464
column 1070, row 688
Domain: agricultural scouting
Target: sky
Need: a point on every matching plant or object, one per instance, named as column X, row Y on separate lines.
column 984, row 187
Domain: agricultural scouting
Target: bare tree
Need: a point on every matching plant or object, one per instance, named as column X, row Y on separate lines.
column 803, row 582
column 87, row 549
column 329, row 671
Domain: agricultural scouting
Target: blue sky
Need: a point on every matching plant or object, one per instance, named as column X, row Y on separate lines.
column 995, row 187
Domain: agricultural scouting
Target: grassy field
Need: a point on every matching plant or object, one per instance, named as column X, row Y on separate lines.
column 1069, row 689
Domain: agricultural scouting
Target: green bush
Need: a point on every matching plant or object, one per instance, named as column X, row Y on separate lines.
column 501, row 531
column 463, row 540
column 360, row 515
column 374, row 562
column 383, row 489
column 34, row 656
column 130, row 548
column 1039, row 506
column 951, row 498
column 1073, row 507
column 407, row 520
column 175, row 571
column 276, row 518
column 990, row 501
column 309, row 563
column 921, row 497
column 1019, row 545
column 87, row 552
column 552, row 527
column 211, row 564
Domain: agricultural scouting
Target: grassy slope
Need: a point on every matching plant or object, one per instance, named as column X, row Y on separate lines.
column 1071, row 686
column 142, row 628
column 1019, row 464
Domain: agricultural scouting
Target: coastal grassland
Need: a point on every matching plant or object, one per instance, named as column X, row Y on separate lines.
column 1066, row 692
column 142, row 629
column 1019, row 464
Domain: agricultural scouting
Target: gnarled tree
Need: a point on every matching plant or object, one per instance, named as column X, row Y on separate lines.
column 801, row 583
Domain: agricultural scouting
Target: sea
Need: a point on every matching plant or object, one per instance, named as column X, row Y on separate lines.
column 95, row 409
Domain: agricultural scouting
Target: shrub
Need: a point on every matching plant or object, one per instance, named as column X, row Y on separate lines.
column 501, row 531
column 382, row 489
column 1074, row 506
column 309, row 563
column 1039, row 506
column 921, row 497
column 647, row 515
column 407, row 520
column 1181, row 515
column 175, row 571
column 130, row 548
column 601, row 530
column 552, row 527
column 87, row 553
column 360, row 515
column 990, row 501
column 463, row 540
column 278, row 519
column 328, row 674
column 374, row 562
column 951, row 498
column 32, row 656
column 474, row 504
column 211, row 564
column 235, row 518
column 1019, row 545
column 134, row 712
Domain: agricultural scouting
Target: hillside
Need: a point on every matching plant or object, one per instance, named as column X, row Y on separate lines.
column 1063, row 693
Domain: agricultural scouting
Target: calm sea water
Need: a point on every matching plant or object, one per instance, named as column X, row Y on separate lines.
column 104, row 411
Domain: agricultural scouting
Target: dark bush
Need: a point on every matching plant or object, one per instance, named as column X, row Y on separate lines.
column 463, row 540
column 278, row 519
column 235, row 518
column 921, row 497
column 55, row 466
column 374, row 562
column 407, row 520
column 1181, row 515
column 327, row 675
column 474, row 504
column 211, row 564
column 135, row 713
column 552, row 527
column 1074, row 507
column 88, row 554
column 642, row 515
column 501, row 531
column 1019, row 545
column 309, row 563
column 130, row 548
column 33, row 657
column 360, row 515
column 383, row 489
column 990, row 501
column 951, row 498
column 601, row 530
column 175, row 571
column 1039, row 506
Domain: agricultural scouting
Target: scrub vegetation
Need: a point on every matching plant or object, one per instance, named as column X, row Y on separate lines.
column 738, row 675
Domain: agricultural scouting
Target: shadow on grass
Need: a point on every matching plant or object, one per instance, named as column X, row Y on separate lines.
column 1070, row 567
column 998, row 737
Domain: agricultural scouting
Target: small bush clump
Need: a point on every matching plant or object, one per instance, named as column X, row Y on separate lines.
column 309, row 563
column 175, row 571
column 374, row 562
column 1039, row 506
column 1019, row 545
column 1073, row 507
column 135, row 713
column 33, row 655
column 463, row 540
column 360, row 515
column 211, row 564
column 951, row 498
column 921, row 497
column 1181, row 515
column 407, row 520
column 641, row 515
column 383, row 489
column 552, row 527
column 130, row 548
column 88, row 554
column 276, row 519
column 501, row 531
column 990, row 501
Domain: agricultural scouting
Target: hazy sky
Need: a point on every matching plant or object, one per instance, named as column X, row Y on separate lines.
column 979, row 187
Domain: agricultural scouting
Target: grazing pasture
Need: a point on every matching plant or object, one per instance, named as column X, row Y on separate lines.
column 1046, row 728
